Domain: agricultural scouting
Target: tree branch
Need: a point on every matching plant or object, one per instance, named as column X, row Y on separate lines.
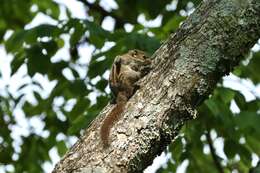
column 213, row 152
column 186, row 69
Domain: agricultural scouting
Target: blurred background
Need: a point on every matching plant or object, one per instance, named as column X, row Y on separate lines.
column 55, row 57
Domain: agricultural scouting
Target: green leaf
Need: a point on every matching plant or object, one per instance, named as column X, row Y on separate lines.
column 230, row 148
column 48, row 7
column 176, row 147
column 79, row 31
column 19, row 38
column 31, row 110
column 240, row 101
column 18, row 60
column 251, row 70
column 15, row 42
column 255, row 169
column 37, row 61
column 55, row 71
column 51, row 47
column 226, row 94
column 78, row 88
column 79, row 123
column 253, row 106
column 98, row 67
column 245, row 155
column 247, row 121
column 102, row 84
column 78, row 109
column 97, row 35
column 62, row 148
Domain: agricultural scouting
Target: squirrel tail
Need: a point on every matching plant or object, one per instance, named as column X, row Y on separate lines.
column 108, row 122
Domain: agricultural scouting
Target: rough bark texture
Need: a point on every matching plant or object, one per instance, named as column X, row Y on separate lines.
column 185, row 70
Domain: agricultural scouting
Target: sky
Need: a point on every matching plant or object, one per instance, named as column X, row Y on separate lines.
column 77, row 9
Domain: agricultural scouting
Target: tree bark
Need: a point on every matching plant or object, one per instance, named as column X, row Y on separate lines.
column 185, row 70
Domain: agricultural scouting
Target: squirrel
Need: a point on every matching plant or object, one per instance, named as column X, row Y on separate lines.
column 126, row 70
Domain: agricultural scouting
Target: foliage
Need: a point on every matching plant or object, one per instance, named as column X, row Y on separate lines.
column 69, row 106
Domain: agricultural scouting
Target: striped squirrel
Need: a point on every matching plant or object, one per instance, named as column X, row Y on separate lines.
column 126, row 70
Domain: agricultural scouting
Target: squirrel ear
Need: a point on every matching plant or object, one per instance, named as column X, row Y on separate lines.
column 133, row 52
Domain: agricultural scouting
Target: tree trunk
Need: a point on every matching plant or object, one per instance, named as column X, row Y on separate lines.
column 185, row 70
